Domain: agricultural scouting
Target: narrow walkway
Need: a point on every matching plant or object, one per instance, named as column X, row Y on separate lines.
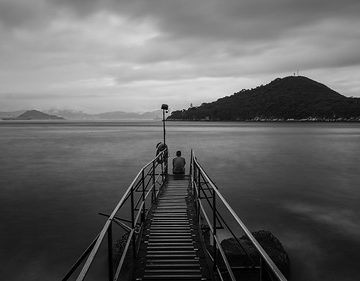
column 170, row 248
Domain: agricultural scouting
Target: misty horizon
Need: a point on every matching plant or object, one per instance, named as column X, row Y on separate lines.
column 92, row 112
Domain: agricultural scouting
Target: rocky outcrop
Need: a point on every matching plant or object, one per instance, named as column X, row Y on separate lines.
column 237, row 256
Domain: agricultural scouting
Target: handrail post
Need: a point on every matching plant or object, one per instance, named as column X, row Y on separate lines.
column 162, row 171
column 143, row 195
column 198, row 186
column 214, row 229
column 166, row 157
column 110, row 253
column 261, row 269
column 153, row 181
column 198, row 181
column 191, row 163
column 133, row 222
column 192, row 170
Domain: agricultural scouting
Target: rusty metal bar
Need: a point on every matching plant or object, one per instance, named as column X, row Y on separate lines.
column 222, row 221
column 133, row 223
column 80, row 259
column 214, row 231
column 118, row 221
column 217, row 242
column 110, row 253
column 153, row 178
column 143, row 196
column 118, row 270
column 227, row 264
column 218, row 269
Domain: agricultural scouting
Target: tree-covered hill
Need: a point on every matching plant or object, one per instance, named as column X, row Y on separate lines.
column 293, row 97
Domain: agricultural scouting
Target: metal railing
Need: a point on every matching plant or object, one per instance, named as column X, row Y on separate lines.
column 145, row 187
column 211, row 208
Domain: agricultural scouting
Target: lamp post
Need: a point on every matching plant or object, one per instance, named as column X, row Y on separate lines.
column 164, row 108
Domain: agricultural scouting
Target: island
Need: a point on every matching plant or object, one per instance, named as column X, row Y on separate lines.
column 293, row 98
column 34, row 115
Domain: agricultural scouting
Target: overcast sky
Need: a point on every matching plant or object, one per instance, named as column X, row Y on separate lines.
column 131, row 55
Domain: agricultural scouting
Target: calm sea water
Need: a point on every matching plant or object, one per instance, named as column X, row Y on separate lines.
column 300, row 181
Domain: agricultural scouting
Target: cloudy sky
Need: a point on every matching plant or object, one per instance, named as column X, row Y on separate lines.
column 132, row 55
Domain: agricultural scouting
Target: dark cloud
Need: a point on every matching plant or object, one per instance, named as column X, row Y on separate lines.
column 47, row 43
column 25, row 14
column 232, row 19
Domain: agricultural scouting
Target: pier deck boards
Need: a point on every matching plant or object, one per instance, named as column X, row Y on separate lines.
column 170, row 248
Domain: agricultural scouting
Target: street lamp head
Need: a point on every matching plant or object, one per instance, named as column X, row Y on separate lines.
column 164, row 107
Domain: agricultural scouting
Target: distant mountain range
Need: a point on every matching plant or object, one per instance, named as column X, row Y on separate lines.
column 284, row 99
column 34, row 115
column 78, row 115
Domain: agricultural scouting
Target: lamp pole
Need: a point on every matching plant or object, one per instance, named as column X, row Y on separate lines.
column 164, row 108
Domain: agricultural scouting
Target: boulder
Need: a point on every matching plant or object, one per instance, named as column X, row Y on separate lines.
column 238, row 255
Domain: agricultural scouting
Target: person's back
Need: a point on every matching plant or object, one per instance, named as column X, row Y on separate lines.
column 179, row 164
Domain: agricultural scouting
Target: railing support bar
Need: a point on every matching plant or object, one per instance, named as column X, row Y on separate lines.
column 80, row 259
column 118, row 270
column 154, row 181
column 110, row 253
column 133, row 223
column 214, row 231
column 143, row 196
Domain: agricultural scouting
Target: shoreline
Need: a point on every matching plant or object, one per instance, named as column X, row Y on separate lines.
column 270, row 121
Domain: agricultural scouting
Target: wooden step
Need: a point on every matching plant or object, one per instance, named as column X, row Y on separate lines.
column 171, row 277
column 170, row 252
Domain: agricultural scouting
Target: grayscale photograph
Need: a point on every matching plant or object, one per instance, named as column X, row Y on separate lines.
column 170, row 140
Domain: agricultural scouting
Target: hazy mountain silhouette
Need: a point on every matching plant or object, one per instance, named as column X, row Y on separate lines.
column 293, row 97
column 36, row 115
column 10, row 114
column 118, row 115
column 79, row 115
column 114, row 115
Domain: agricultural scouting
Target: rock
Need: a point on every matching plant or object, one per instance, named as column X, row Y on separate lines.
column 272, row 246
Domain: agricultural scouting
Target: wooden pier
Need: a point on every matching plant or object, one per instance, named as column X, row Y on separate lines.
column 171, row 247
column 169, row 228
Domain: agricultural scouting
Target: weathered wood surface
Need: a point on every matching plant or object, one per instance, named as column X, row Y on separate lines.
column 170, row 247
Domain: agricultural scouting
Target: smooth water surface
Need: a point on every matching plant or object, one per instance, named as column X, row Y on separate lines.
column 300, row 181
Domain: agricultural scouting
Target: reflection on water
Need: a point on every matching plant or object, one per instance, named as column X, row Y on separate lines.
column 300, row 181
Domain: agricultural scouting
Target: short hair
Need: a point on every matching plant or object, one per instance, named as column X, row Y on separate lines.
column 178, row 153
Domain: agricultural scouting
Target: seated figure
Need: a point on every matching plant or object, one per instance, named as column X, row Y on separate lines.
column 179, row 164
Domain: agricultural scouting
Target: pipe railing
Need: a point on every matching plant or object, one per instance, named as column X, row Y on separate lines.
column 146, row 184
column 208, row 204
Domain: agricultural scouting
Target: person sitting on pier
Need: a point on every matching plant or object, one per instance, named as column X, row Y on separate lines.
column 179, row 164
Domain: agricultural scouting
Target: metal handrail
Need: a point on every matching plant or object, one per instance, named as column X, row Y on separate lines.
column 137, row 182
column 195, row 166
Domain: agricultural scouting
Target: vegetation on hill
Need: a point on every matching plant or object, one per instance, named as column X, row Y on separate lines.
column 289, row 98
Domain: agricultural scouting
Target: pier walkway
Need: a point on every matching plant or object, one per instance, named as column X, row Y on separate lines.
column 171, row 247
column 168, row 229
